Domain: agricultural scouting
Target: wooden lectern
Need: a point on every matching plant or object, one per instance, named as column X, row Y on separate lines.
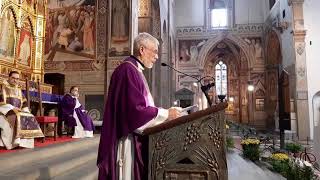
column 191, row 147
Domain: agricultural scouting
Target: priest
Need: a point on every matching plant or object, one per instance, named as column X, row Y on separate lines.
column 18, row 126
column 128, row 111
column 75, row 116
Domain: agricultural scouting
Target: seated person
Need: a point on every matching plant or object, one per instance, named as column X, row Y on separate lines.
column 74, row 115
column 18, row 126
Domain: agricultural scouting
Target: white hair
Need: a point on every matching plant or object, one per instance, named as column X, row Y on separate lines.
column 142, row 40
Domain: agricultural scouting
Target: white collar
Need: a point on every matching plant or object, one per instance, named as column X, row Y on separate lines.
column 140, row 68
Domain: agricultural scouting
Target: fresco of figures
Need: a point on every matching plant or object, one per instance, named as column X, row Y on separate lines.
column 119, row 40
column 70, row 28
column 189, row 51
column 24, row 47
column 7, row 36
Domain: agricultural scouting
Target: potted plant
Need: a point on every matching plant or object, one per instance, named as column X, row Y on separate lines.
column 250, row 149
column 293, row 148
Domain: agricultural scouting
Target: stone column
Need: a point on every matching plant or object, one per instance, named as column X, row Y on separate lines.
column 301, row 86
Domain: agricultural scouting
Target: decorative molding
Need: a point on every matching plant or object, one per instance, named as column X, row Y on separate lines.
column 300, row 49
column 301, row 72
column 83, row 65
column 238, row 29
column 299, row 35
column 101, row 31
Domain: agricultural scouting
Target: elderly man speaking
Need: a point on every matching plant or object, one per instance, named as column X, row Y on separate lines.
column 129, row 110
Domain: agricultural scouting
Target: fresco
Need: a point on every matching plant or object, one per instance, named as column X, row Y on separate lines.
column 70, row 29
column 7, row 36
column 189, row 50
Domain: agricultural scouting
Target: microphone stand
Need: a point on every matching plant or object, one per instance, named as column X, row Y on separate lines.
column 204, row 88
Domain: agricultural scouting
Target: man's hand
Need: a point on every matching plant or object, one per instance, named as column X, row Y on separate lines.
column 174, row 112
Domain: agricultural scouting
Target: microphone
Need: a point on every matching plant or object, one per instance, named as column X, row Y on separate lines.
column 204, row 88
column 164, row 64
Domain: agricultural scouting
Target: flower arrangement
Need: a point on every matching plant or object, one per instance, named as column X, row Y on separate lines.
column 250, row 148
column 280, row 157
column 300, row 170
column 292, row 169
column 250, row 141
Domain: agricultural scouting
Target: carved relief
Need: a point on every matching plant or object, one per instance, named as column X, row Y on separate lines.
column 208, row 158
column 199, row 146
column 192, row 135
column 216, row 136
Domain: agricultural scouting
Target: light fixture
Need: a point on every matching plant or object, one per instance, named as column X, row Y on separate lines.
column 250, row 87
column 175, row 102
column 195, row 84
column 231, row 99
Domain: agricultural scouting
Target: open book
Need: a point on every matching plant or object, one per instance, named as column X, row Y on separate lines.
column 188, row 108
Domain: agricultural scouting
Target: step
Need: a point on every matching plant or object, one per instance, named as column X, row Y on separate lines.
column 28, row 156
column 53, row 166
column 88, row 171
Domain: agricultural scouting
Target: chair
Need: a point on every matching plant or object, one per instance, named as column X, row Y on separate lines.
column 42, row 120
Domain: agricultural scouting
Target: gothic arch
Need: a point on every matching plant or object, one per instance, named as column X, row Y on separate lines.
column 10, row 8
column 273, row 47
column 28, row 19
column 211, row 43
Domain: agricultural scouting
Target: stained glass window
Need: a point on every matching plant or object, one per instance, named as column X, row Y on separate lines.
column 221, row 79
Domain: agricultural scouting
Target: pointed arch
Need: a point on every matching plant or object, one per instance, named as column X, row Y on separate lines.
column 273, row 47
column 9, row 7
column 28, row 19
column 211, row 43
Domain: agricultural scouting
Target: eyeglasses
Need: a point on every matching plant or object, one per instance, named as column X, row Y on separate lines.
column 155, row 51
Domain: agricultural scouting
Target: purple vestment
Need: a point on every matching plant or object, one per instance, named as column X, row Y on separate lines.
column 68, row 104
column 126, row 110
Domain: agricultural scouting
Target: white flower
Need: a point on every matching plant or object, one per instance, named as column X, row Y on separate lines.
column 306, row 163
column 299, row 162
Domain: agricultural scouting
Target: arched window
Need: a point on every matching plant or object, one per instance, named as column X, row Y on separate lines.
column 218, row 10
column 220, row 13
column 221, row 79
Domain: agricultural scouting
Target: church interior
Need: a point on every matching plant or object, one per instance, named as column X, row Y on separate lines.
column 258, row 56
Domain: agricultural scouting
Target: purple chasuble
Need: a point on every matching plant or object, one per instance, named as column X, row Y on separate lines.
column 68, row 104
column 126, row 110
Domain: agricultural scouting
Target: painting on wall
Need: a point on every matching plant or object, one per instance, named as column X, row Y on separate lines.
column 70, row 30
column 120, row 28
column 7, row 36
column 24, row 47
column 40, row 7
column 189, row 51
